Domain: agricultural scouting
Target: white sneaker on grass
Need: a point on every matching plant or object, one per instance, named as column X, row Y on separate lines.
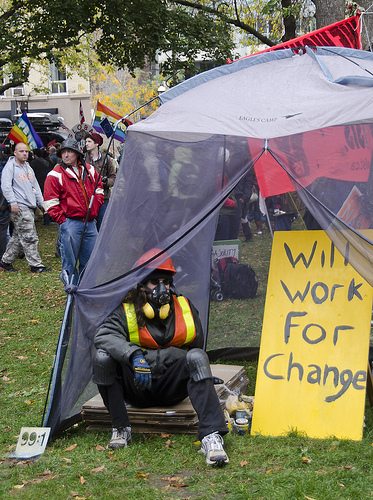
column 120, row 437
column 212, row 448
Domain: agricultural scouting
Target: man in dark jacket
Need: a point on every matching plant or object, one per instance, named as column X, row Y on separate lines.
column 104, row 165
column 149, row 353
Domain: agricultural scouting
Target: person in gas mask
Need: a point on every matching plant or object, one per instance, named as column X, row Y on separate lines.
column 149, row 353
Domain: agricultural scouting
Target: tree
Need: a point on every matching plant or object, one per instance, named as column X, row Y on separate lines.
column 123, row 93
column 129, row 33
column 126, row 34
column 32, row 29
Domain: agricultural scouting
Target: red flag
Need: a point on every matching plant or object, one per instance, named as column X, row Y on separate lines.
column 345, row 33
column 341, row 152
column 81, row 114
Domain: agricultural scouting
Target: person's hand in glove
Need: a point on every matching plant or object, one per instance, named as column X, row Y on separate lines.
column 143, row 375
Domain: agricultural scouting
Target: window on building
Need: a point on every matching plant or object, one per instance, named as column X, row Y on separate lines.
column 58, row 80
column 17, row 91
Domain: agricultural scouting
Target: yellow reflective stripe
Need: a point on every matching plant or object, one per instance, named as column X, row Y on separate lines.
column 133, row 328
column 188, row 318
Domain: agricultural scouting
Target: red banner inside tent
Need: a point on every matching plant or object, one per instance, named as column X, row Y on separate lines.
column 348, row 158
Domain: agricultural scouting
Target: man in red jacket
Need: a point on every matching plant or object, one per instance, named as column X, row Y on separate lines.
column 73, row 194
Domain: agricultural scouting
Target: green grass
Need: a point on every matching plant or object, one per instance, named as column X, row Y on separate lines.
column 153, row 467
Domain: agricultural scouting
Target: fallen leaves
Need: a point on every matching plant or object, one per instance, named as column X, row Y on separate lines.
column 96, row 470
column 175, row 481
column 77, row 495
column 306, row 460
column 71, row 448
column 243, row 463
column 169, row 443
column 142, row 475
column 348, row 467
column 45, row 476
column 82, row 480
column 100, row 448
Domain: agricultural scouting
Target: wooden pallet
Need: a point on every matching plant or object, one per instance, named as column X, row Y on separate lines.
column 180, row 418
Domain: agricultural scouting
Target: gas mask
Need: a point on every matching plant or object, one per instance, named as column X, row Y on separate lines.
column 159, row 299
column 160, row 296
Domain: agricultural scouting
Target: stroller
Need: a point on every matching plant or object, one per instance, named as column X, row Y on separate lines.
column 230, row 279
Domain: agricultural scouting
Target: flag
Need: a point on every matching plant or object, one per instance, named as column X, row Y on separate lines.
column 306, row 160
column 103, row 112
column 345, row 33
column 81, row 114
column 106, row 127
column 23, row 131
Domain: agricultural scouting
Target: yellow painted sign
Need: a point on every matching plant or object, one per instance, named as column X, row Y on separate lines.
column 312, row 367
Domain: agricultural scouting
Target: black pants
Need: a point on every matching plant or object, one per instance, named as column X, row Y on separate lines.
column 4, row 223
column 167, row 389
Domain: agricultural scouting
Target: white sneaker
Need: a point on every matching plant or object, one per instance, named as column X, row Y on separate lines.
column 120, row 437
column 212, row 448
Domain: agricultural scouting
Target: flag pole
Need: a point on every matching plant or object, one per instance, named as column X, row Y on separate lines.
column 121, row 120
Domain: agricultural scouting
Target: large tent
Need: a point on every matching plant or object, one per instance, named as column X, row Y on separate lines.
column 302, row 118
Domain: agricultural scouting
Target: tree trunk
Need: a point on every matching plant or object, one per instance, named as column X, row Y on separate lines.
column 367, row 21
column 289, row 23
column 334, row 10
column 329, row 12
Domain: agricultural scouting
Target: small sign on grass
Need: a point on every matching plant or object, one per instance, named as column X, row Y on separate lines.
column 31, row 442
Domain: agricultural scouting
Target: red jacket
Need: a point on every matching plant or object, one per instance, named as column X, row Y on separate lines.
column 66, row 196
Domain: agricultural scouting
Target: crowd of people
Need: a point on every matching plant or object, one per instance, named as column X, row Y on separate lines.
column 244, row 210
column 70, row 187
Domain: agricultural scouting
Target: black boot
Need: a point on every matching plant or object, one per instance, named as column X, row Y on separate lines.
column 247, row 231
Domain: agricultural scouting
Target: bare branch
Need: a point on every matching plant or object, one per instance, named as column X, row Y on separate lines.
column 8, row 13
column 222, row 16
column 13, row 83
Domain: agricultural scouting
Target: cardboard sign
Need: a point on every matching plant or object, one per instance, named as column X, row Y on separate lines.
column 225, row 248
column 312, row 367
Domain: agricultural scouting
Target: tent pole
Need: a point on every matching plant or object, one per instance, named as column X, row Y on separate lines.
column 59, row 357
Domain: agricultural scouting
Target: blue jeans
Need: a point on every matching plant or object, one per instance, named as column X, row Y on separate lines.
column 71, row 233
column 101, row 214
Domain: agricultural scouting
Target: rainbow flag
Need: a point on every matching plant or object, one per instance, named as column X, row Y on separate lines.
column 23, row 131
column 103, row 112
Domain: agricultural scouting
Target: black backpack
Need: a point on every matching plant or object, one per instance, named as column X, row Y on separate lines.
column 238, row 281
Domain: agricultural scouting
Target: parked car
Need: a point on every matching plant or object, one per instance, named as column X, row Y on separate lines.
column 47, row 126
